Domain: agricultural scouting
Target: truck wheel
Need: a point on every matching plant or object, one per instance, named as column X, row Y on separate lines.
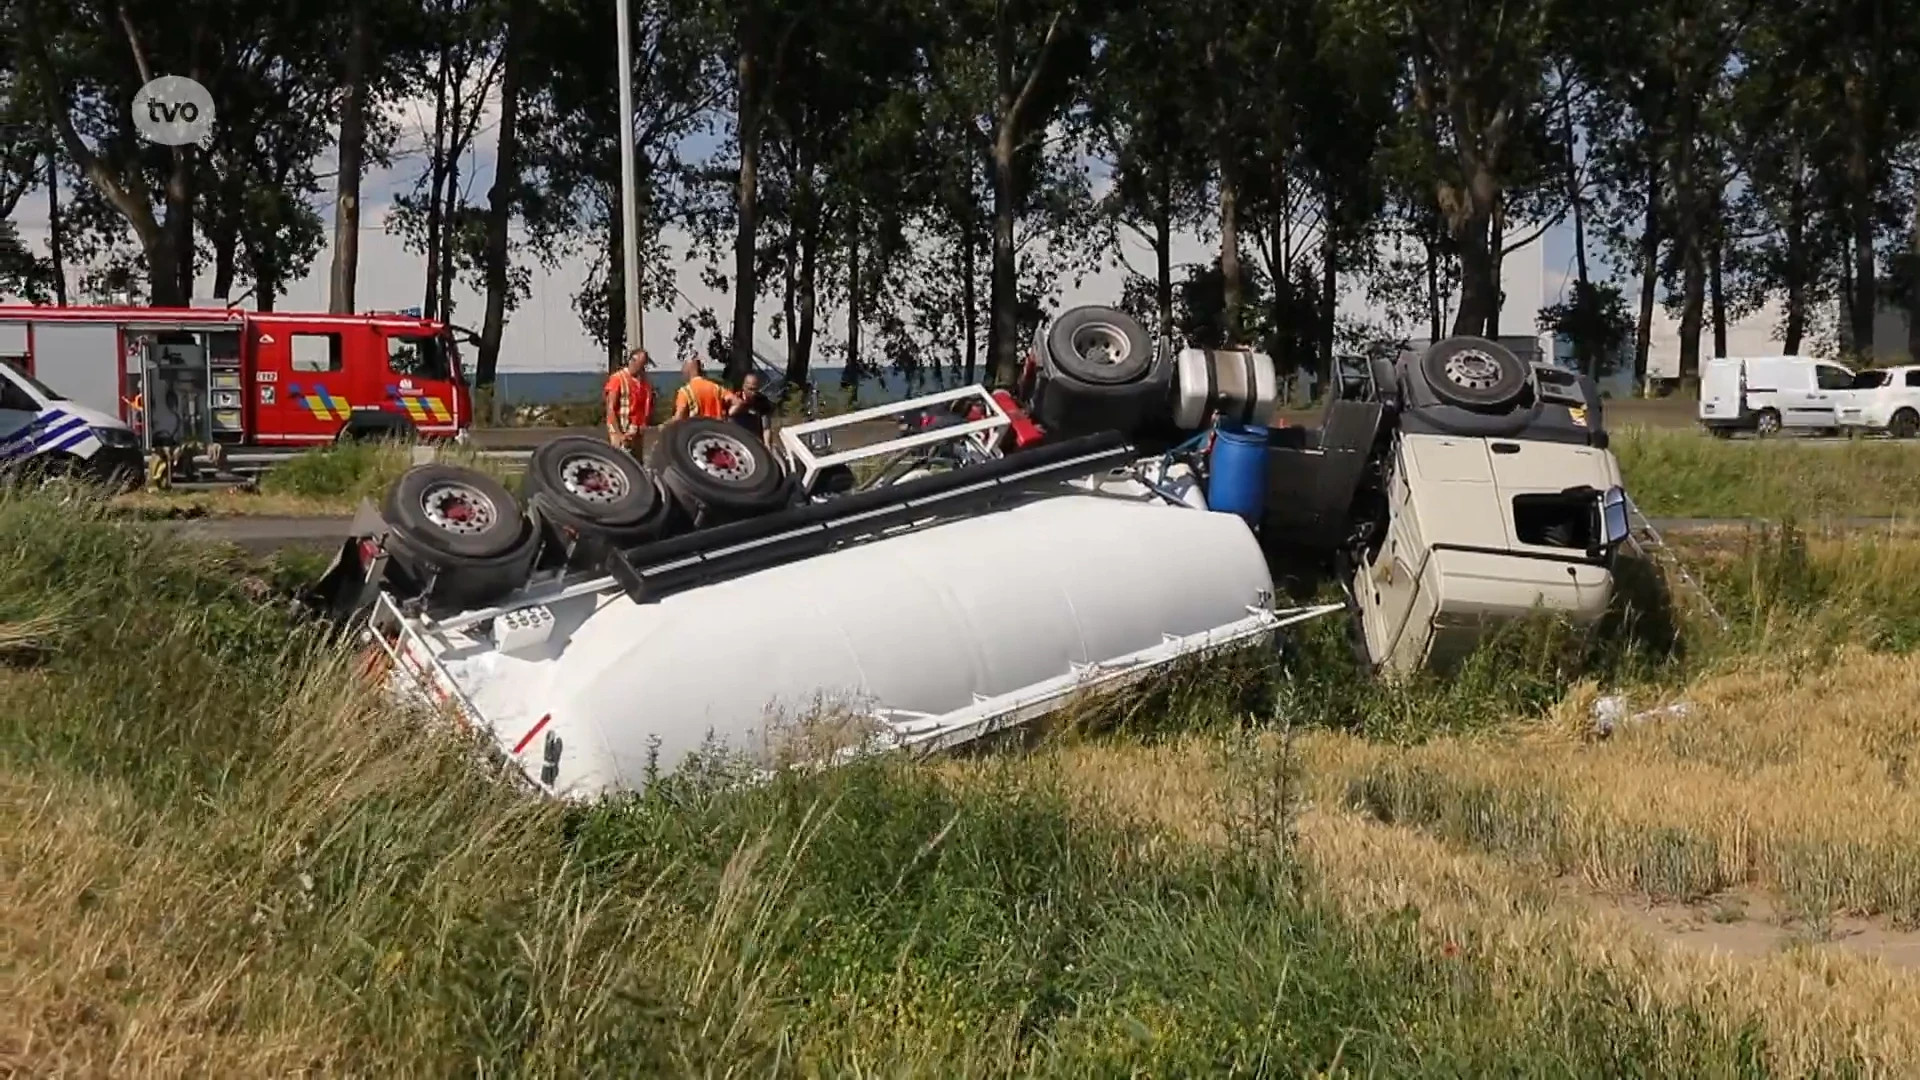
column 1766, row 423
column 1100, row 346
column 459, row 581
column 1904, row 425
column 590, row 482
column 712, row 465
column 1474, row 373
column 452, row 511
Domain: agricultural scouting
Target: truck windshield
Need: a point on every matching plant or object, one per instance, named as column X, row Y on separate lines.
column 1868, row 380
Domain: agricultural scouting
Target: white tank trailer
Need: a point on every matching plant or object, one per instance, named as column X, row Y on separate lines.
column 928, row 572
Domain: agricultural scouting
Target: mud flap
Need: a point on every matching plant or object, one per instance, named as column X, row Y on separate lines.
column 353, row 579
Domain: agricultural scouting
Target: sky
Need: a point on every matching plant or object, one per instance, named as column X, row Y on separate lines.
column 544, row 333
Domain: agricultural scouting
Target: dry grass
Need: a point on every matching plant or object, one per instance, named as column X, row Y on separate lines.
column 1817, row 1005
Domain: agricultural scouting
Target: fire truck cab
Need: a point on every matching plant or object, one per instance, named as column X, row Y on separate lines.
column 245, row 378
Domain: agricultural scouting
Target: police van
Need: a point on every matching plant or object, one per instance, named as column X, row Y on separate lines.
column 42, row 431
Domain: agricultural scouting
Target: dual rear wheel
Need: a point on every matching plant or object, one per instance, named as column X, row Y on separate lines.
column 474, row 541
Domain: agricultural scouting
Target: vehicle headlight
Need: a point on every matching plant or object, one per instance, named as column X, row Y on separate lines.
column 117, row 438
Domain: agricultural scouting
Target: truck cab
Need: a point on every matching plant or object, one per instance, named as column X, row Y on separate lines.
column 1449, row 490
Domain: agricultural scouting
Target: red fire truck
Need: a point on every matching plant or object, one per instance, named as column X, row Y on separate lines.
column 245, row 378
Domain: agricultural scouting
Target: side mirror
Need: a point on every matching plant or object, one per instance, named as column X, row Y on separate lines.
column 1612, row 507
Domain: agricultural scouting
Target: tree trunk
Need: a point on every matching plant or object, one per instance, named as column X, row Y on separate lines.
column 1433, row 287
column 853, row 298
column 1004, row 327
column 56, row 231
column 179, row 222
column 1715, row 257
column 226, row 243
column 1846, row 333
column 506, row 177
column 353, row 139
column 1796, row 238
column 1163, row 256
column 1477, row 286
column 809, row 299
column 1649, row 274
column 1497, row 253
column 1575, row 197
column 1230, row 280
column 969, row 299
column 452, row 204
column 1866, row 293
column 436, row 182
column 1329, row 299
column 746, row 205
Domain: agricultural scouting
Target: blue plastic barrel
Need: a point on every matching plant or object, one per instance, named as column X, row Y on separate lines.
column 1237, row 471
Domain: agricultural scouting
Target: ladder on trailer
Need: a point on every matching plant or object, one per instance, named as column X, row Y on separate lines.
column 1650, row 545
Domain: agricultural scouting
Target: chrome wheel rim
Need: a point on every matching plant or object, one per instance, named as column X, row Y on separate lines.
column 1473, row 369
column 458, row 508
column 592, row 480
column 722, row 457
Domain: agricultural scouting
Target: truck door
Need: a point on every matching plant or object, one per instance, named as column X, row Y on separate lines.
column 1832, row 388
column 421, row 380
column 298, row 382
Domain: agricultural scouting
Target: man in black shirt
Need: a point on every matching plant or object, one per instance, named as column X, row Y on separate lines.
column 751, row 409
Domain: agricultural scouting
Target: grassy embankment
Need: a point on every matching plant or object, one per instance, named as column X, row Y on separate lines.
column 225, row 856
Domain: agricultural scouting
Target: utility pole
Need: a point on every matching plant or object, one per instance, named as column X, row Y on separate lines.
column 629, row 182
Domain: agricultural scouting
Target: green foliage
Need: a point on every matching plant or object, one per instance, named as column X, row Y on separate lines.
column 1594, row 318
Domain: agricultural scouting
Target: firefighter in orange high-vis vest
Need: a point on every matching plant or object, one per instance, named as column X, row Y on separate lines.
column 700, row 396
column 629, row 402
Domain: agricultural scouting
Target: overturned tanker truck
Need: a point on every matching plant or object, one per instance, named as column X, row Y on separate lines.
column 993, row 555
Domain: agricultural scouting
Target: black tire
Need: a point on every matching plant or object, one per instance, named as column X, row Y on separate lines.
column 1904, row 425
column 458, row 581
column 588, row 481
column 1474, row 373
column 1099, row 346
column 629, row 534
column 1766, row 423
column 717, row 469
column 450, row 511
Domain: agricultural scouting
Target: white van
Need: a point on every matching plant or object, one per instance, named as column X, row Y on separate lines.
column 41, row 428
column 1884, row 400
column 1768, row 394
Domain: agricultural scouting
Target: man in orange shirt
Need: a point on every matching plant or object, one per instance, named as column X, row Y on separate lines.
column 701, row 396
column 629, row 402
